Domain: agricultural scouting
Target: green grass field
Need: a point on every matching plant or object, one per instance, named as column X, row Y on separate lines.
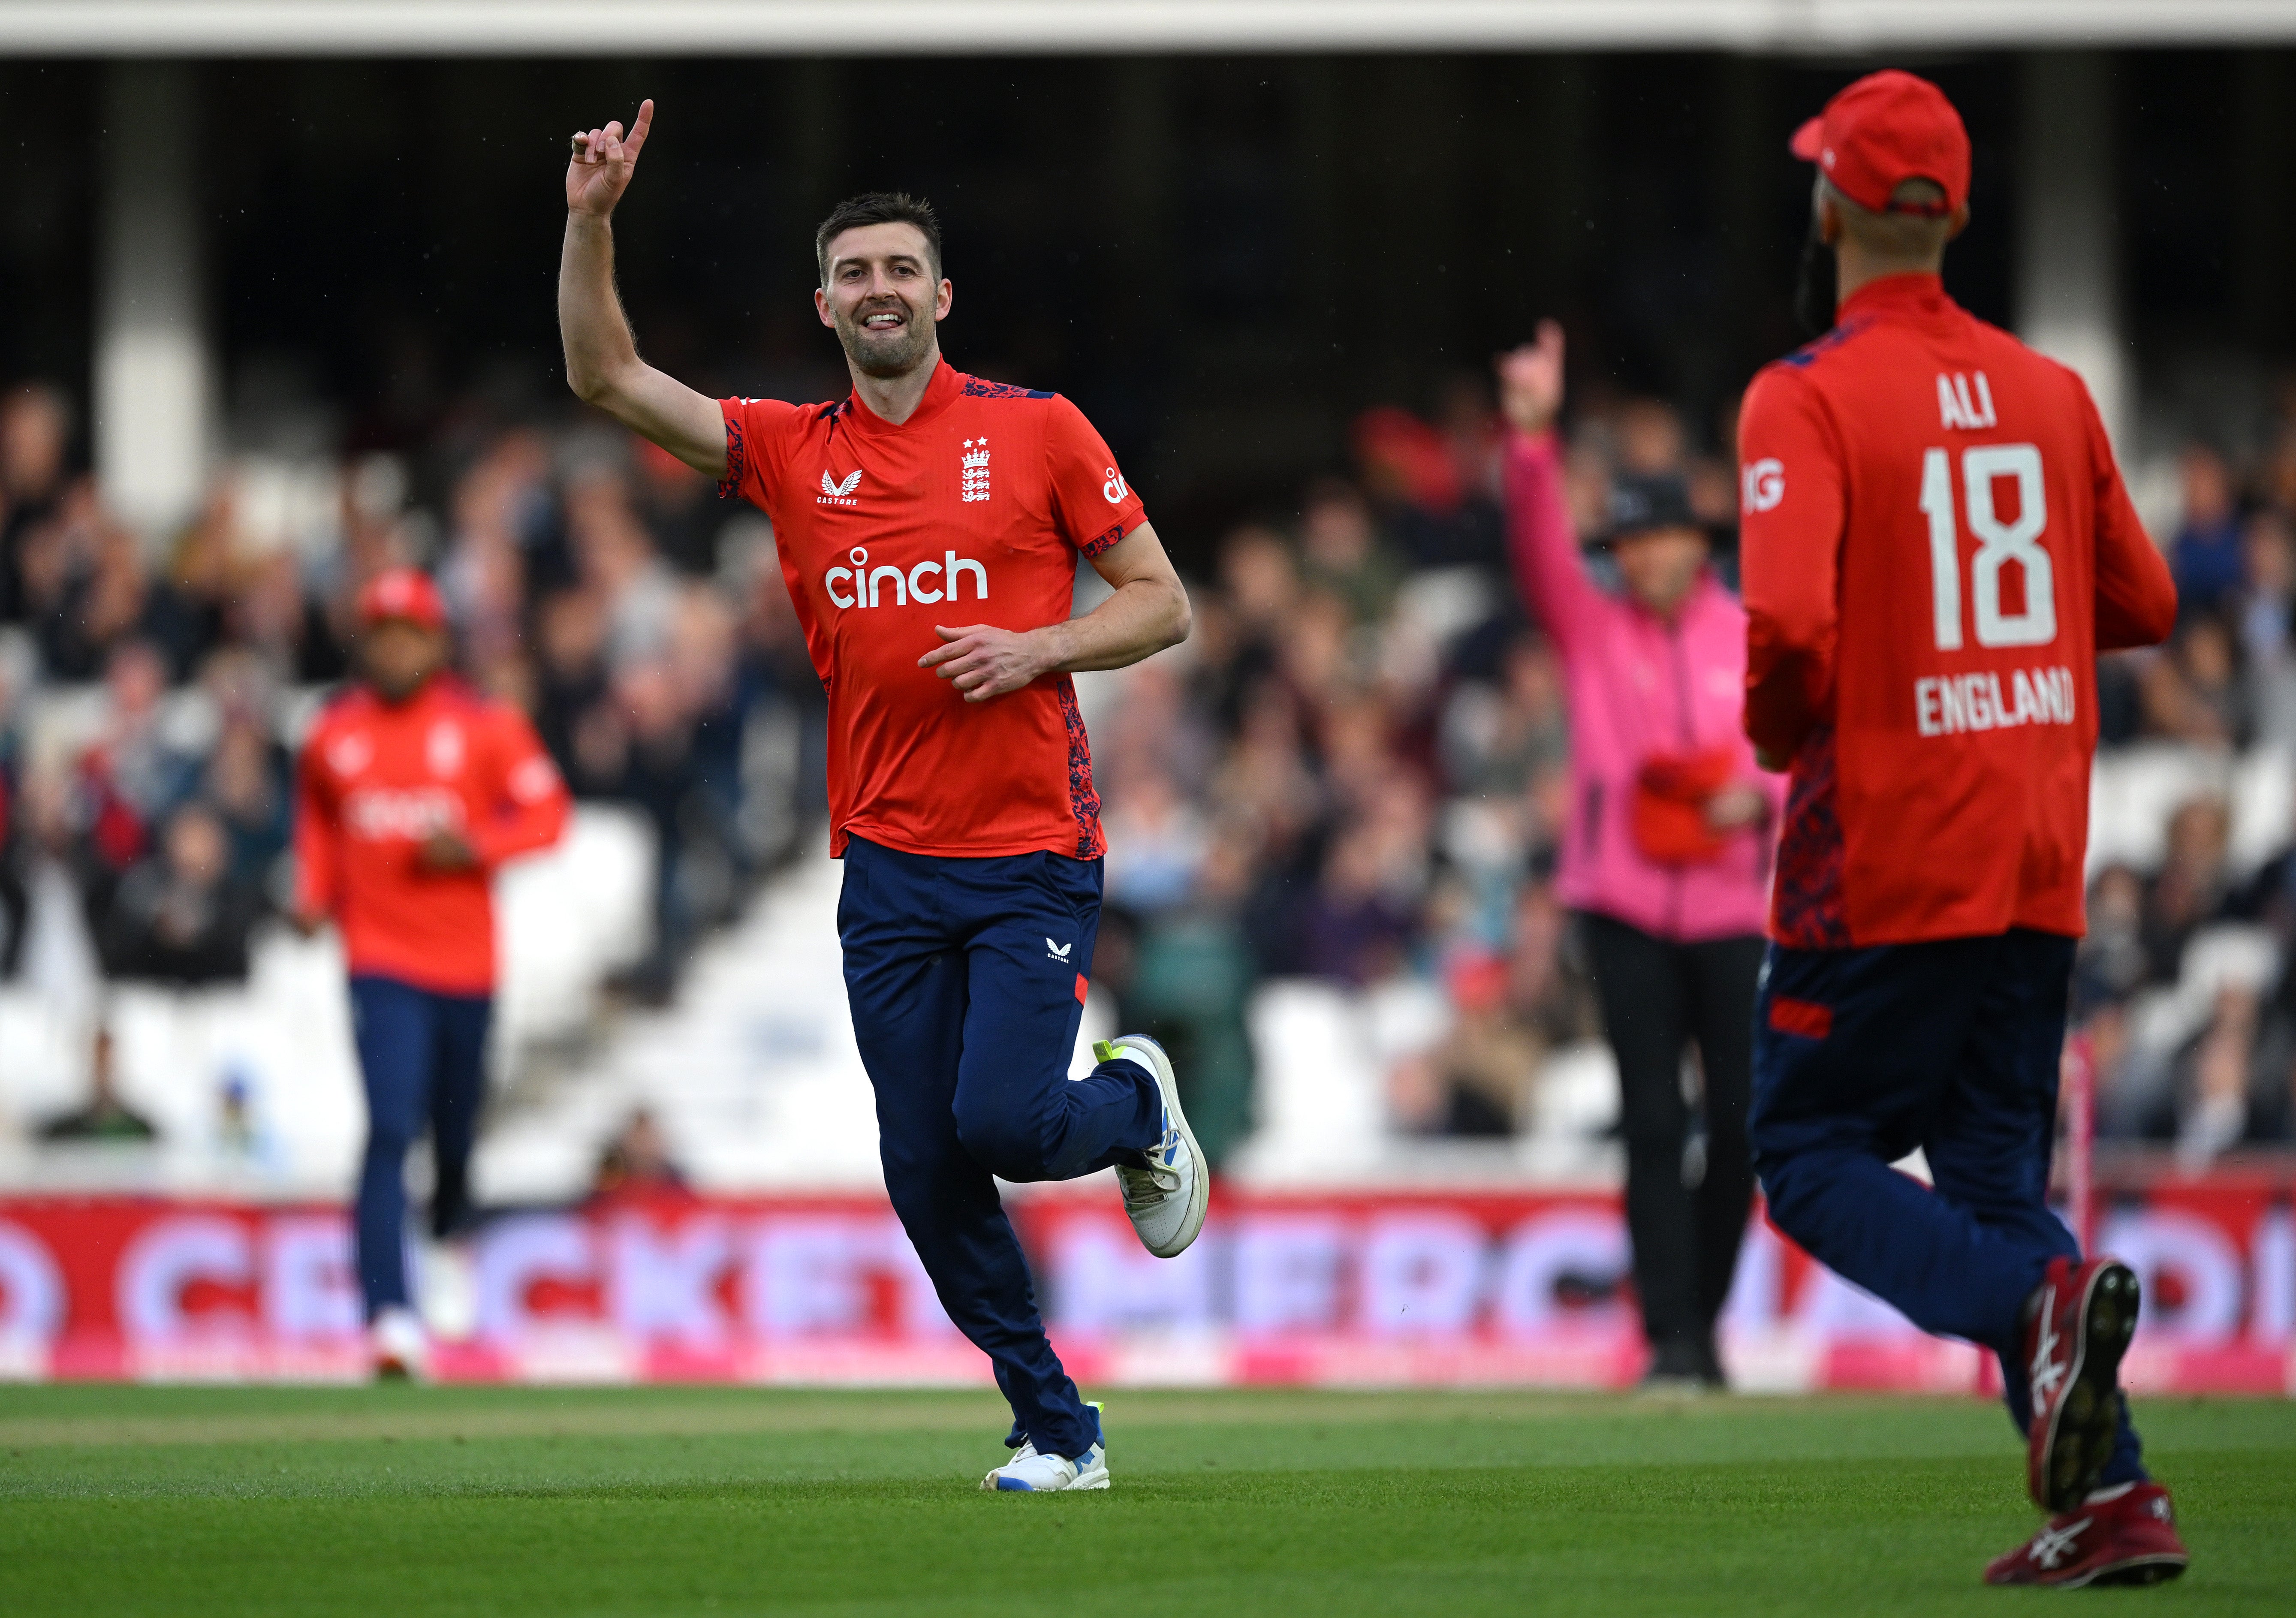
column 656, row 1501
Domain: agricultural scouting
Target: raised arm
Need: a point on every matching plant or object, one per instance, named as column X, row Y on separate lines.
column 1148, row 613
column 602, row 357
column 1542, row 542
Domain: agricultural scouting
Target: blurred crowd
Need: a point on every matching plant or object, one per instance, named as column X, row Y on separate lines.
column 135, row 835
column 2226, row 681
column 2185, row 998
column 1356, row 771
column 151, row 697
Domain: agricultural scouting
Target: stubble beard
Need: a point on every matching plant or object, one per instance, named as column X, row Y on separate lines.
column 884, row 358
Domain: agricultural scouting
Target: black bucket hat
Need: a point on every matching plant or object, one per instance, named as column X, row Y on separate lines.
column 1642, row 502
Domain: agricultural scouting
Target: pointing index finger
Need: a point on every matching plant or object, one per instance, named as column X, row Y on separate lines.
column 638, row 134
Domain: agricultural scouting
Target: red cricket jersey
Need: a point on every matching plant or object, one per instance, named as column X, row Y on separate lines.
column 1935, row 545
column 378, row 778
column 973, row 511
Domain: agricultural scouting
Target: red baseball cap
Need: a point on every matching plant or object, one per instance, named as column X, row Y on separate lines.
column 1885, row 129
column 402, row 592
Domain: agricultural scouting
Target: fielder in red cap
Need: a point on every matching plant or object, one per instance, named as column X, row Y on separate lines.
column 412, row 789
column 1935, row 544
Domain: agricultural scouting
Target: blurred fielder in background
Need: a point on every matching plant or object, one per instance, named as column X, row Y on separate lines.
column 414, row 788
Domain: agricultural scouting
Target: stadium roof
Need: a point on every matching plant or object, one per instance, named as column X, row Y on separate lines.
column 546, row 27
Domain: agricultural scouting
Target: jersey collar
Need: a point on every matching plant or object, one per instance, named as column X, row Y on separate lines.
column 939, row 392
column 1916, row 295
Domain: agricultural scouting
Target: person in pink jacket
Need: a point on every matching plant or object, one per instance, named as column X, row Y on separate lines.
column 1666, row 860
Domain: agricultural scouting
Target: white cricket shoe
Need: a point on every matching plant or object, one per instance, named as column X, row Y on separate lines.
column 1032, row 1472
column 402, row 1353
column 448, row 1291
column 1168, row 1198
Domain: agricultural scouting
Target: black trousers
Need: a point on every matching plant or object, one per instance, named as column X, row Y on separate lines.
column 1657, row 997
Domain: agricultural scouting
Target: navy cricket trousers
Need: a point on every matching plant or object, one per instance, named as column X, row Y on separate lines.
column 966, row 981
column 423, row 1059
column 1860, row 1056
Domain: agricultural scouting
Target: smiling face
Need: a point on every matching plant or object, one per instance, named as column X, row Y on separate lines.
column 883, row 299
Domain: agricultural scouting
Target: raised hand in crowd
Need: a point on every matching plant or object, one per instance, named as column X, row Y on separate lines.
column 1530, row 380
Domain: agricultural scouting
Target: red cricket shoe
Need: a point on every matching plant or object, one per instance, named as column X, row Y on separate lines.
column 2084, row 1317
column 2127, row 1538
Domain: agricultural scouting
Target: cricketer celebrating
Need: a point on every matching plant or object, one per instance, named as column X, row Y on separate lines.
column 929, row 528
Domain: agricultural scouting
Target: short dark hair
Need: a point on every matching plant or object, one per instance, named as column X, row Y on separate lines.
column 877, row 208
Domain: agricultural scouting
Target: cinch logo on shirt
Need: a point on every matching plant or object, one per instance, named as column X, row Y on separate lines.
column 1973, row 701
column 378, row 814
column 868, row 584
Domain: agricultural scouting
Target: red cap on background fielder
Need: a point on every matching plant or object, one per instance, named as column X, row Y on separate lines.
column 402, row 592
column 1885, row 129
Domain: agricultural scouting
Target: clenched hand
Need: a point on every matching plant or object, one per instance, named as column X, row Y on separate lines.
column 984, row 661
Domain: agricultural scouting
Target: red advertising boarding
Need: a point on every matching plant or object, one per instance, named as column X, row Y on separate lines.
column 1308, row 1289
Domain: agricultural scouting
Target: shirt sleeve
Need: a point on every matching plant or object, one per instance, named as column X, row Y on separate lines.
column 2136, row 594
column 755, row 432
column 1792, row 512
column 1092, row 503
column 1542, row 541
column 317, row 863
column 531, row 804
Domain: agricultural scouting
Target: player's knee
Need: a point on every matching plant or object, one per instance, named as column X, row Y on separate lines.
column 1788, row 1190
column 1008, row 1146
